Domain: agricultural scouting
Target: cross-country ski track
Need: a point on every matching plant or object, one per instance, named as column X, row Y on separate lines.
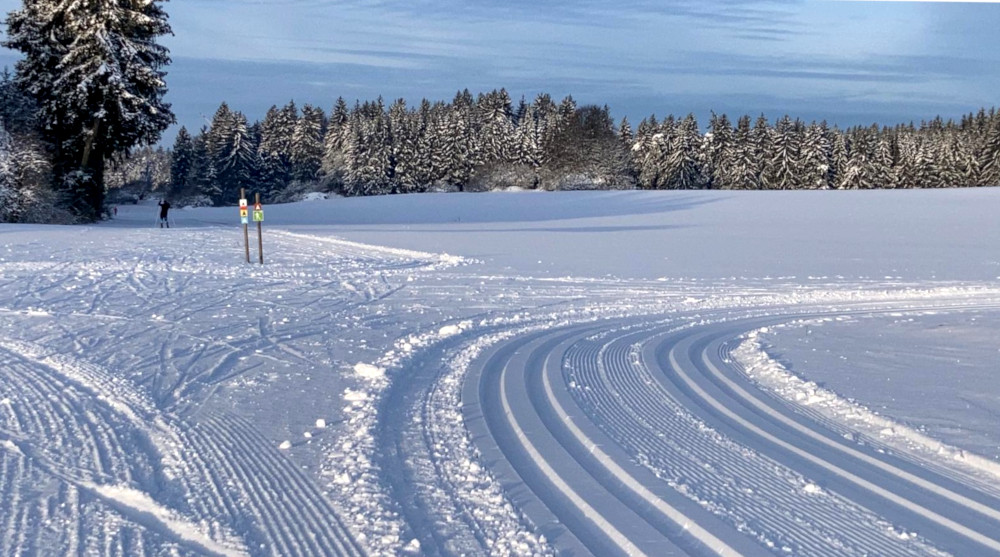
column 158, row 396
column 632, row 442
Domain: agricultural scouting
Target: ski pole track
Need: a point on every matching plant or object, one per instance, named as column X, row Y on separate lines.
column 294, row 517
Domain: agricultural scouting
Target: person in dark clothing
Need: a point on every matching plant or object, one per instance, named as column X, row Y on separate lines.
column 164, row 207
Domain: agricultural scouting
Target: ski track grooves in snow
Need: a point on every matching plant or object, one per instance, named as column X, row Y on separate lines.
column 663, row 437
column 85, row 440
column 290, row 516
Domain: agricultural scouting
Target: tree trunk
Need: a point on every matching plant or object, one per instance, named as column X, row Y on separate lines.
column 92, row 164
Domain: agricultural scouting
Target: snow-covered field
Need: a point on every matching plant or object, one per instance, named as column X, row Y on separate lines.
column 790, row 373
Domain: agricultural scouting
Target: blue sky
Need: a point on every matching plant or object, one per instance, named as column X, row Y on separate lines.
column 847, row 62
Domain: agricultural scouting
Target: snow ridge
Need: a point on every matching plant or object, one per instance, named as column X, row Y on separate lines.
column 757, row 363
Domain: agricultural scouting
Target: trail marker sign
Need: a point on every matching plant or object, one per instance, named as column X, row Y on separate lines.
column 243, row 221
column 258, row 217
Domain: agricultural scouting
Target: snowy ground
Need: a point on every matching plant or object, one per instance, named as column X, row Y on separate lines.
column 679, row 372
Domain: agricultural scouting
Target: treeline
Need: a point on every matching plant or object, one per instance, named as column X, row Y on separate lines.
column 370, row 149
column 488, row 142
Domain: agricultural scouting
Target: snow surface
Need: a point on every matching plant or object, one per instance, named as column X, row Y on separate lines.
column 917, row 355
column 743, row 373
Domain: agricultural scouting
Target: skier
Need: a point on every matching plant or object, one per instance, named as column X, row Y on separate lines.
column 164, row 207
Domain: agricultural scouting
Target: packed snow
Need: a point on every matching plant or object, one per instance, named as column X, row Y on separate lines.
column 507, row 374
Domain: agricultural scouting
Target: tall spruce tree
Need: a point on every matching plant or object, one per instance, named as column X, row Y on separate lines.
column 815, row 155
column 181, row 161
column 719, row 156
column 781, row 164
column 307, row 144
column 682, row 168
column 989, row 159
column 333, row 143
column 96, row 72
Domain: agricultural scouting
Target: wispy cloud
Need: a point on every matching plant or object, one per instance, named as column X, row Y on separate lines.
column 846, row 61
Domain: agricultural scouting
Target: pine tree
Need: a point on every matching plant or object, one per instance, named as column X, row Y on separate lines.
column 494, row 129
column 237, row 160
column 95, row 70
column 681, row 168
column 838, row 158
column 949, row 164
column 404, row 130
column 859, row 171
column 882, row 159
column 747, row 168
column 232, row 152
column 275, row 149
column 181, row 161
column 816, row 153
column 650, row 152
column 307, row 144
column 10, row 199
column 720, row 157
column 989, row 158
column 781, row 163
column 369, row 152
column 333, row 144
column 17, row 109
column 459, row 157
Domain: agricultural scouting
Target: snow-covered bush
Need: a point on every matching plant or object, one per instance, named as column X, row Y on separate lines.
column 25, row 174
column 503, row 176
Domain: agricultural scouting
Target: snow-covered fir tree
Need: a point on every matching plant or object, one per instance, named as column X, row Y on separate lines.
column 333, row 166
column 989, row 158
column 747, row 168
column 404, row 133
column 782, row 168
column 231, row 150
column 307, row 144
column 369, row 152
column 719, row 153
column 494, row 129
column 96, row 71
column 859, row 171
column 182, row 161
column 277, row 131
column 682, row 166
column 815, row 157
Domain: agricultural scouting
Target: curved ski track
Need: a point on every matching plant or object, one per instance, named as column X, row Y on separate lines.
column 637, row 437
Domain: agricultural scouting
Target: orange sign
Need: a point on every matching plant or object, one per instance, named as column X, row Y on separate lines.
column 243, row 212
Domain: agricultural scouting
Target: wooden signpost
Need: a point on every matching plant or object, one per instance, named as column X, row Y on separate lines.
column 244, row 221
column 258, row 217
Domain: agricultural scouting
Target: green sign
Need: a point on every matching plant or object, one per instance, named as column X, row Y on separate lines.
column 258, row 216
